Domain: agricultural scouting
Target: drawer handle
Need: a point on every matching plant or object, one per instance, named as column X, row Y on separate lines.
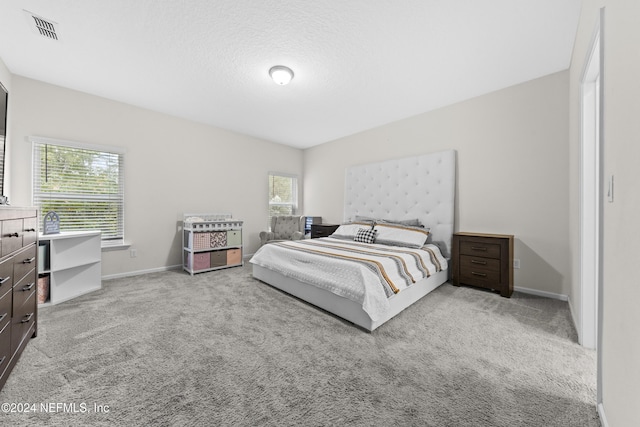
column 28, row 287
column 478, row 248
column 3, row 281
column 473, row 261
column 29, row 260
column 3, row 316
column 479, row 274
column 30, row 230
column 28, row 318
column 12, row 235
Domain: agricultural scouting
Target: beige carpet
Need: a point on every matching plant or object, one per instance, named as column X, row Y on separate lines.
column 221, row 348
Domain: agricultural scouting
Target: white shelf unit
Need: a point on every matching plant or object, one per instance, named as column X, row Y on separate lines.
column 72, row 261
column 211, row 243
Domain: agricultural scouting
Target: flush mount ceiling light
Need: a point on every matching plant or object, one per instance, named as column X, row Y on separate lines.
column 281, row 74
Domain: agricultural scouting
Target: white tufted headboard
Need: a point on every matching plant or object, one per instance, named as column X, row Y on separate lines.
column 421, row 187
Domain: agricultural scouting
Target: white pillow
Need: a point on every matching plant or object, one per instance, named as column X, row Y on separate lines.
column 401, row 235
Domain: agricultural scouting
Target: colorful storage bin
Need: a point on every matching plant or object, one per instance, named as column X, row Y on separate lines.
column 201, row 241
column 43, row 289
column 234, row 238
column 218, row 239
column 201, row 261
column 218, row 258
column 234, row 256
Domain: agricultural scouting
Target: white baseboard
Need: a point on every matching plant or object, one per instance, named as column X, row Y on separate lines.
column 603, row 417
column 542, row 293
column 245, row 257
column 139, row 272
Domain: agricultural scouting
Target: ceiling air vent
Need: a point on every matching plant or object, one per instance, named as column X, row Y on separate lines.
column 44, row 27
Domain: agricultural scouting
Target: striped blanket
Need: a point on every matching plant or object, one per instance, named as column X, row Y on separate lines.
column 365, row 273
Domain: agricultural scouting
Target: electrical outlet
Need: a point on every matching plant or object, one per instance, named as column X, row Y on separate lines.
column 133, row 253
column 516, row 263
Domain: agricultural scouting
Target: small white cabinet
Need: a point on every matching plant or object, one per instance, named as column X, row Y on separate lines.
column 71, row 262
column 211, row 242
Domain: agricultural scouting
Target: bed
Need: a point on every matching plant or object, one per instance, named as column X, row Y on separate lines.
column 389, row 197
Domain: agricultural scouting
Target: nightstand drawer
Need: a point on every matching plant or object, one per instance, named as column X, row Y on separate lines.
column 479, row 248
column 484, row 265
column 480, row 277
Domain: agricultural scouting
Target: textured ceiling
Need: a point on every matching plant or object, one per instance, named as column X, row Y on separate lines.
column 358, row 64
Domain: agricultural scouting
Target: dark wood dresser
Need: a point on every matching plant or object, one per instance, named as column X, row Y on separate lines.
column 323, row 230
column 484, row 260
column 18, row 284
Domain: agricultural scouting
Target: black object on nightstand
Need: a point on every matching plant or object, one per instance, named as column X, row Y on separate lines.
column 323, row 230
column 484, row 260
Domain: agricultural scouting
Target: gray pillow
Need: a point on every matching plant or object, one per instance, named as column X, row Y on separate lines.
column 410, row 222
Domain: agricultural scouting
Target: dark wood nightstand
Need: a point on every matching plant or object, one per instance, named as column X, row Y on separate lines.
column 484, row 260
column 323, row 230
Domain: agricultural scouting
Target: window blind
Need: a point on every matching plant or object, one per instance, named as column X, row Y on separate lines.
column 83, row 185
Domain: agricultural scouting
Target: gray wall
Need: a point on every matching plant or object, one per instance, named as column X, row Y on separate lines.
column 620, row 347
column 512, row 175
column 172, row 166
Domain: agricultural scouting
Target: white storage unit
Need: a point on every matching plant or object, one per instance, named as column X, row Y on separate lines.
column 211, row 242
column 72, row 263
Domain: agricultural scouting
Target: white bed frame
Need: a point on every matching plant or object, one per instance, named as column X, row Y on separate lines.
column 421, row 187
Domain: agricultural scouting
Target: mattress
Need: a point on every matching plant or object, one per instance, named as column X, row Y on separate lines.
column 367, row 274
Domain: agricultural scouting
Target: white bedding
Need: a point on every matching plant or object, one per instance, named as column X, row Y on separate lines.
column 357, row 271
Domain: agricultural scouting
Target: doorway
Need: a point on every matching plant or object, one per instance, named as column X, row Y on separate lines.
column 590, row 191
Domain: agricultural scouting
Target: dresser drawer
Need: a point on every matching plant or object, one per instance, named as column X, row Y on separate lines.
column 5, row 309
column 23, row 318
column 23, row 263
column 479, row 248
column 5, row 348
column 23, row 290
column 11, row 236
column 29, row 232
column 6, row 276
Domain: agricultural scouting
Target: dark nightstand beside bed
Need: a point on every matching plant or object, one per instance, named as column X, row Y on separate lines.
column 322, row 230
column 483, row 260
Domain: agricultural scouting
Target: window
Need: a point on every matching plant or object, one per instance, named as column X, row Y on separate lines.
column 283, row 194
column 83, row 184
